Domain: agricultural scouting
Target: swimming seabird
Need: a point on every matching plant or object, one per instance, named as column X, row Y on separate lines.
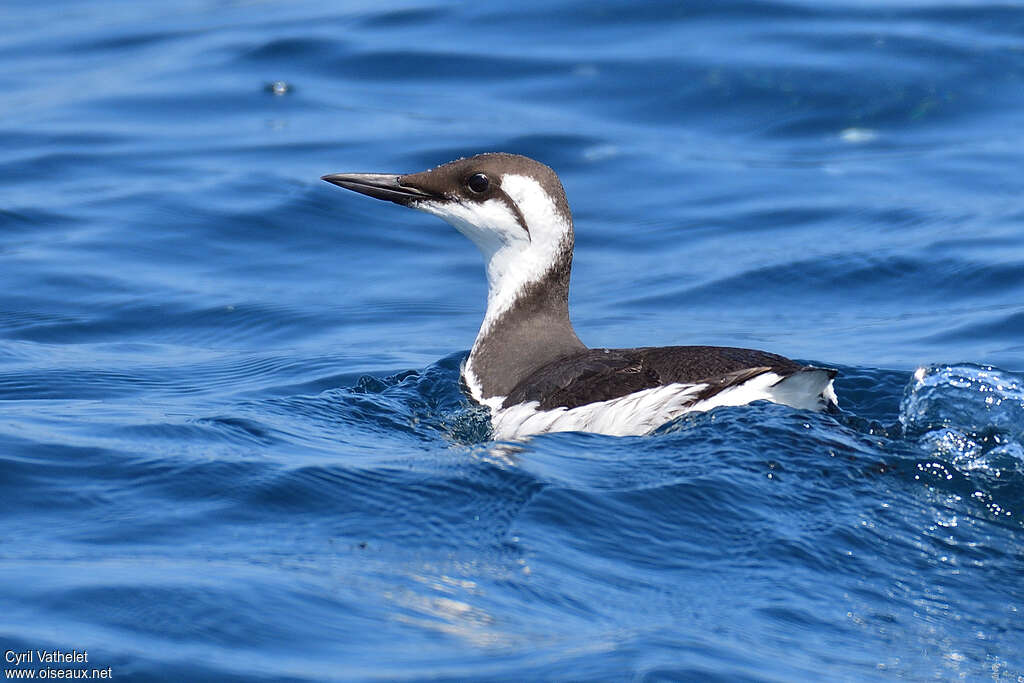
column 527, row 364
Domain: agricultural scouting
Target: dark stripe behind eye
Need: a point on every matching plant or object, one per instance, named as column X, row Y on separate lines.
column 519, row 214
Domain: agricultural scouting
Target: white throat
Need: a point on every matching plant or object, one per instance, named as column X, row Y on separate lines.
column 513, row 256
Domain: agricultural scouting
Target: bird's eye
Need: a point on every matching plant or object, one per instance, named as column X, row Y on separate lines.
column 478, row 182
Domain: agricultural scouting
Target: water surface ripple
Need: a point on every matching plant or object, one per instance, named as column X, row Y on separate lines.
column 233, row 444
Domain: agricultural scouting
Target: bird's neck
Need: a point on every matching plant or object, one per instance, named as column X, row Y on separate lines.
column 526, row 324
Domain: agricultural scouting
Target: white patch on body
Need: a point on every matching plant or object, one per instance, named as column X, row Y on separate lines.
column 830, row 395
column 638, row 413
column 644, row 411
column 476, row 389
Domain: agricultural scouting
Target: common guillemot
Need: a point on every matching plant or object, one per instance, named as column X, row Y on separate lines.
column 527, row 364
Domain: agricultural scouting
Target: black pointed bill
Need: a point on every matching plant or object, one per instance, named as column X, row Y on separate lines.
column 379, row 186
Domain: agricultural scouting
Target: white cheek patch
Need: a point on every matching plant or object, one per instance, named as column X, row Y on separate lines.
column 546, row 222
column 489, row 225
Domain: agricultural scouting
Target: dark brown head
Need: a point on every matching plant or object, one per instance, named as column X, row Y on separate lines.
column 512, row 207
column 488, row 197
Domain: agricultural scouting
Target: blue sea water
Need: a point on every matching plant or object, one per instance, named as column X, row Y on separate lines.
column 232, row 440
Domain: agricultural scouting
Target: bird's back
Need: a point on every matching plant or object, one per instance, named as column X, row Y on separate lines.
column 596, row 375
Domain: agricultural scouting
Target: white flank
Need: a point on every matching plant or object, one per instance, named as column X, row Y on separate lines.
column 637, row 413
column 807, row 390
column 644, row 411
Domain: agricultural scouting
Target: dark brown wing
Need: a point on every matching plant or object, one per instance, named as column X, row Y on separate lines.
column 604, row 374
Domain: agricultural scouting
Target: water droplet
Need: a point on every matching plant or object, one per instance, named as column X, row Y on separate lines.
column 278, row 88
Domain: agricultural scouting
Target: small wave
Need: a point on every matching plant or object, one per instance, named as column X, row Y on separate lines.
column 416, row 403
column 971, row 417
column 974, row 399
